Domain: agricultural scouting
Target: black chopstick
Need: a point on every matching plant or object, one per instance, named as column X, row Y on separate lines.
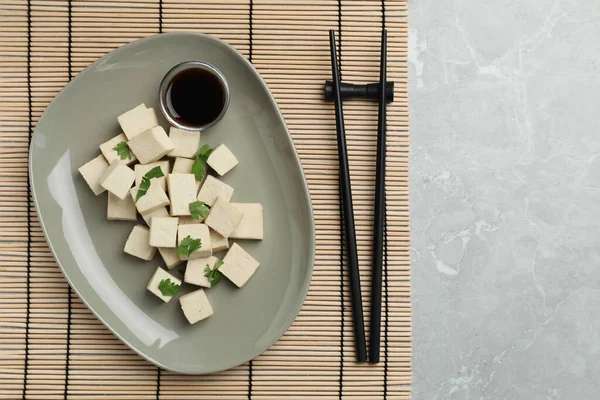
column 377, row 266
column 348, row 212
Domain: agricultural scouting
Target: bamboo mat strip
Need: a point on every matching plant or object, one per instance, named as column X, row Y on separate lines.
column 51, row 345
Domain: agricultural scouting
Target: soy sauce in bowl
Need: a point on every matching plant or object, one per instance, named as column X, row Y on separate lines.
column 194, row 95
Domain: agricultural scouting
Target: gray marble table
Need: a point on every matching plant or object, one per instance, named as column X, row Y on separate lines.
column 505, row 198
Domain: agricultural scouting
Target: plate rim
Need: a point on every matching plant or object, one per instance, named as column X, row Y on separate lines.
column 312, row 233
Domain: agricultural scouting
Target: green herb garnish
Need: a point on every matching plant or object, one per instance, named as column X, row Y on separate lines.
column 168, row 288
column 199, row 166
column 199, row 209
column 213, row 275
column 155, row 172
column 123, row 151
column 189, row 245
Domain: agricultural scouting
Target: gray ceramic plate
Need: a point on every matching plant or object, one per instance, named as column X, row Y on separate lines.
column 89, row 249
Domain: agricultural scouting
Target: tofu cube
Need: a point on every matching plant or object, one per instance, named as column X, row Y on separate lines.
column 154, row 284
column 194, row 271
column 222, row 160
column 163, row 232
column 251, row 225
column 92, row 171
column 182, row 192
column 142, row 169
column 223, row 217
column 218, row 242
column 170, row 257
column 154, row 198
column 238, row 266
column 118, row 179
column 138, row 243
column 108, row 151
column 186, row 143
column 120, row 210
column 195, row 231
column 195, row 306
column 151, row 145
column 183, row 165
column 212, row 189
column 159, row 212
column 137, row 120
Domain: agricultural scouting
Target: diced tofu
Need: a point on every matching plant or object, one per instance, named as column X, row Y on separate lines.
column 137, row 120
column 218, row 242
column 222, row 160
column 92, row 171
column 151, row 145
column 223, row 217
column 154, row 284
column 120, row 210
column 195, row 231
column 154, row 198
column 188, row 219
column 212, row 189
column 142, row 169
column 195, row 306
column 194, row 271
column 159, row 212
column 118, row 179
column 183, row 165
column 251, row 225
column 163, row 232
column 170, row 257
column 186, row 143
column 238, row 266
column 182, row 192
column 138, row 243
column 107, row 149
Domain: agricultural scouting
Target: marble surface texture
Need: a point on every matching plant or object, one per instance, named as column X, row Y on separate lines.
column 505, row 198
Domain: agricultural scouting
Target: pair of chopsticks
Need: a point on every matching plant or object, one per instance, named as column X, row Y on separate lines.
column 348, row 212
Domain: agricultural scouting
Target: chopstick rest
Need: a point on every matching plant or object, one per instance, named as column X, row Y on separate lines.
column 367, row 91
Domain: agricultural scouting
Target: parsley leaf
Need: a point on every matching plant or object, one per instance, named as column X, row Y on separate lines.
column 155, row 172
column 123, row 150
column 189, row 245
column 213, row 275
column 199, row 166
column 199, row 209
column 168, row 288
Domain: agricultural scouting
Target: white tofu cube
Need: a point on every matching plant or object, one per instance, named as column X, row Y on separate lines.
column 170, row 257
column 138, row 243
column 118, row 179
column 159, row 212
column 163, row 232
column 238, row 266
column 218, row 242
column 196, row 306
column 154, row 198
column 183, row 165
column 154, row 284
column 222, row 160
column 142, row 169
column 92, row 171
column 223, row 217
column 109, row 152
column 212, row 189
column 182, row 192
column 195, row 231
column 137, row 120
column 186, row 143
column 151, row 145
column 251, row 225
column 194, row 271
column 120, row 210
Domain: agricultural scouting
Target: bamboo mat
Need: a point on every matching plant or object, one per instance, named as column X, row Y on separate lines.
column 51, row 346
